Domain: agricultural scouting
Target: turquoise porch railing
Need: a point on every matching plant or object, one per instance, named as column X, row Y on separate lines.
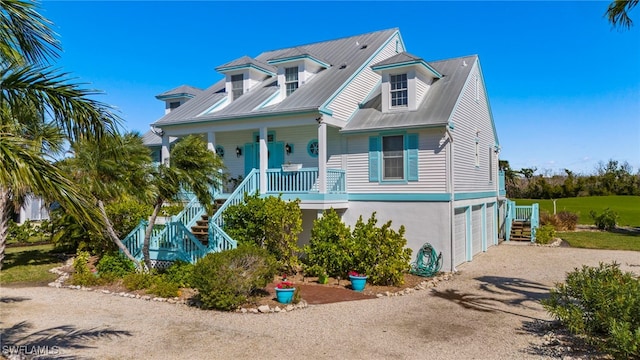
column 304, row 181
column 523, row 213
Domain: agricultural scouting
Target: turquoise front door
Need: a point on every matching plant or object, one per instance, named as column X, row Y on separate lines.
column 252, row 156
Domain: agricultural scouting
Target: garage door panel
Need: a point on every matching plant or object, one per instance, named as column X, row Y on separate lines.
column 476, row 230
column 460, row 238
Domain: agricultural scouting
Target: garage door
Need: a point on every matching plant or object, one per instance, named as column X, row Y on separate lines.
column 491, row 225
column 460, row 254
column 476, row 230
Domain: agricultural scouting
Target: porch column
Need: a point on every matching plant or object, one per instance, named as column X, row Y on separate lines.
column 322, row 158
column 264, row 160
column 164, row 153
column 211, row 141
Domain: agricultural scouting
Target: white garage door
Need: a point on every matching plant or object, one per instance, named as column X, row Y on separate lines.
column 491, row 225
column 476, row 229
column 460, row 253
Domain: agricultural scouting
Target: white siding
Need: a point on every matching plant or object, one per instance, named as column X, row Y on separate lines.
column 431, row 166
column 346, row 103
column 422, row 86
column 472, row 120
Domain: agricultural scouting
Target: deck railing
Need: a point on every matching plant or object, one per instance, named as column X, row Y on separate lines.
column 303, row 181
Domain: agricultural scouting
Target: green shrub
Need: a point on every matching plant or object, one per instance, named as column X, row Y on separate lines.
column 605, row 221
column 380, row 252
column 225, row 280
column 602, row 304
column 83, row 275
column 330, row 247
column 545, row 234
column 137, row 281
column 269, row 223
column 125, row 214
column 115, row 265
column 566, row 220
column 179, row 273
column 163, row 287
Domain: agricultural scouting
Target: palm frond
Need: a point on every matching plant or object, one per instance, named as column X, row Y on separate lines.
column 618, row 12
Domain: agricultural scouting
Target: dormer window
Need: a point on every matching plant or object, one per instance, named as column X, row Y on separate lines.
column 237, row 85
column 174, row 104
column 291, row 79
column 399, row 90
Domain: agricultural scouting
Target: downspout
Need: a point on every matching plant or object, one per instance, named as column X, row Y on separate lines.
column 451, row 189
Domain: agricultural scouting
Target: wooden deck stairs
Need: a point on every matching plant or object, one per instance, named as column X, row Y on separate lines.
column 201, row 229
column 520, row 231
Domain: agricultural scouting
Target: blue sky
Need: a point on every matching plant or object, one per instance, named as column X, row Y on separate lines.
column 563, row 86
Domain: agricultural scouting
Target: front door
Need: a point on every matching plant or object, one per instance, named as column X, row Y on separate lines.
column 252, row 155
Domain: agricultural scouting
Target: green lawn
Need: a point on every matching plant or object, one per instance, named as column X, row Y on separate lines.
column 620, row 240
column 627, row 207
column 29, row 264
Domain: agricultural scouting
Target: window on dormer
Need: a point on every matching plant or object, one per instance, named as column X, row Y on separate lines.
column 291, row 79
column 237, row 85
column 399, row 92
column 174, row 104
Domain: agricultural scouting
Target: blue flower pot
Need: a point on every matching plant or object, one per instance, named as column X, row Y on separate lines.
column 358, row 282
column 284, row 296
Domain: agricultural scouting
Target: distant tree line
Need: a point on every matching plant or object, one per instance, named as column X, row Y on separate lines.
column 612, row 178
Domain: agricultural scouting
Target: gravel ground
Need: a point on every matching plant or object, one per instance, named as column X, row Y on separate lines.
column 488, row 310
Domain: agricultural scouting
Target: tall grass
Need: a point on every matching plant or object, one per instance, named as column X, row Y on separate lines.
column 627, row 207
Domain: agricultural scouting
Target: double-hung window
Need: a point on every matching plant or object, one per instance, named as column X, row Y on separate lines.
column 291, row 79
column 399, row 92
column 237, row 86
column 393, row 158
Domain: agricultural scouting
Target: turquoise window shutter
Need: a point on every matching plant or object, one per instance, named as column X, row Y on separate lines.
column 276, row 157
column 374, row 158
column 248, row 158
column 412, row 157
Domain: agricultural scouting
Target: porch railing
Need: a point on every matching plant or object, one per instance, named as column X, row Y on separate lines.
column 304, row 180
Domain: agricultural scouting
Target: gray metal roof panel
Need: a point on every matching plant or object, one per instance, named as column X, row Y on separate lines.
column 182, row 89
column 398, row 58
column 435, row 109
column 246, row 60
column 313, row 94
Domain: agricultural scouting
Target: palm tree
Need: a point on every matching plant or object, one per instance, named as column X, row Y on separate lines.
column 618, row 12
column 191, row 167
column 106, row 169
column 29, row 86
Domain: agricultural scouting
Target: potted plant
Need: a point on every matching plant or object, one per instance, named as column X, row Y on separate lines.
column 284, row 292
column 358, row 280
column 291, row 167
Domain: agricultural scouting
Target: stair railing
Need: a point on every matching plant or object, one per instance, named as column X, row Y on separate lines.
column 219, row 240
column 134, row 241
column 535, row 220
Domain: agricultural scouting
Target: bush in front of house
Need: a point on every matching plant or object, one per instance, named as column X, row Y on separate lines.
column 545, row 234
column 603, row 305
column 380, row 252
column 606, row 221
column 179, row 273
column 377, row 251
column 115, row 264
column 269, row 223
column 330, row 247
column 227, row 279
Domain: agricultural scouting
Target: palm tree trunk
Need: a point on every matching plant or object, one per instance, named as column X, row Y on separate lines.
column 4, row 221
column 114, row 237
column 149, row 230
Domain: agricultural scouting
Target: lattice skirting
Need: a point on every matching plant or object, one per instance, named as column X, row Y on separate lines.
column 160, row 264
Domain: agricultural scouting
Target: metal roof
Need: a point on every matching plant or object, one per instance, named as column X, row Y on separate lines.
column 181, row 90
column 246, row 61
column 434, row 110
column 312, row 95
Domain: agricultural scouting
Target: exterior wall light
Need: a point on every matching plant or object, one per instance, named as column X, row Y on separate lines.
column 288, row 148
column 238, row 151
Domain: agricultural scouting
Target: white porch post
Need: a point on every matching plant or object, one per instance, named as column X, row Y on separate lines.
column 211, row 141
column 322, row 158
column 164, row 153
column 264, row 160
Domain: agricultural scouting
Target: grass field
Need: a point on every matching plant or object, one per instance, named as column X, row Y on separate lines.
column 619, row 240
column 627, row 207
column 29, row 264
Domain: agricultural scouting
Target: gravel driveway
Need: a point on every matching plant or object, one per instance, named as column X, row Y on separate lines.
column 484, row 312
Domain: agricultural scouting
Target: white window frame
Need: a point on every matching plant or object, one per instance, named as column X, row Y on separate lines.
column 236, row 90
column 291, row 79
column 393, row 160
column 398, row 86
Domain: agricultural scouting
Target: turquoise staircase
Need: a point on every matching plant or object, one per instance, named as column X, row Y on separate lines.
column 522, row 222
column 174, row 241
